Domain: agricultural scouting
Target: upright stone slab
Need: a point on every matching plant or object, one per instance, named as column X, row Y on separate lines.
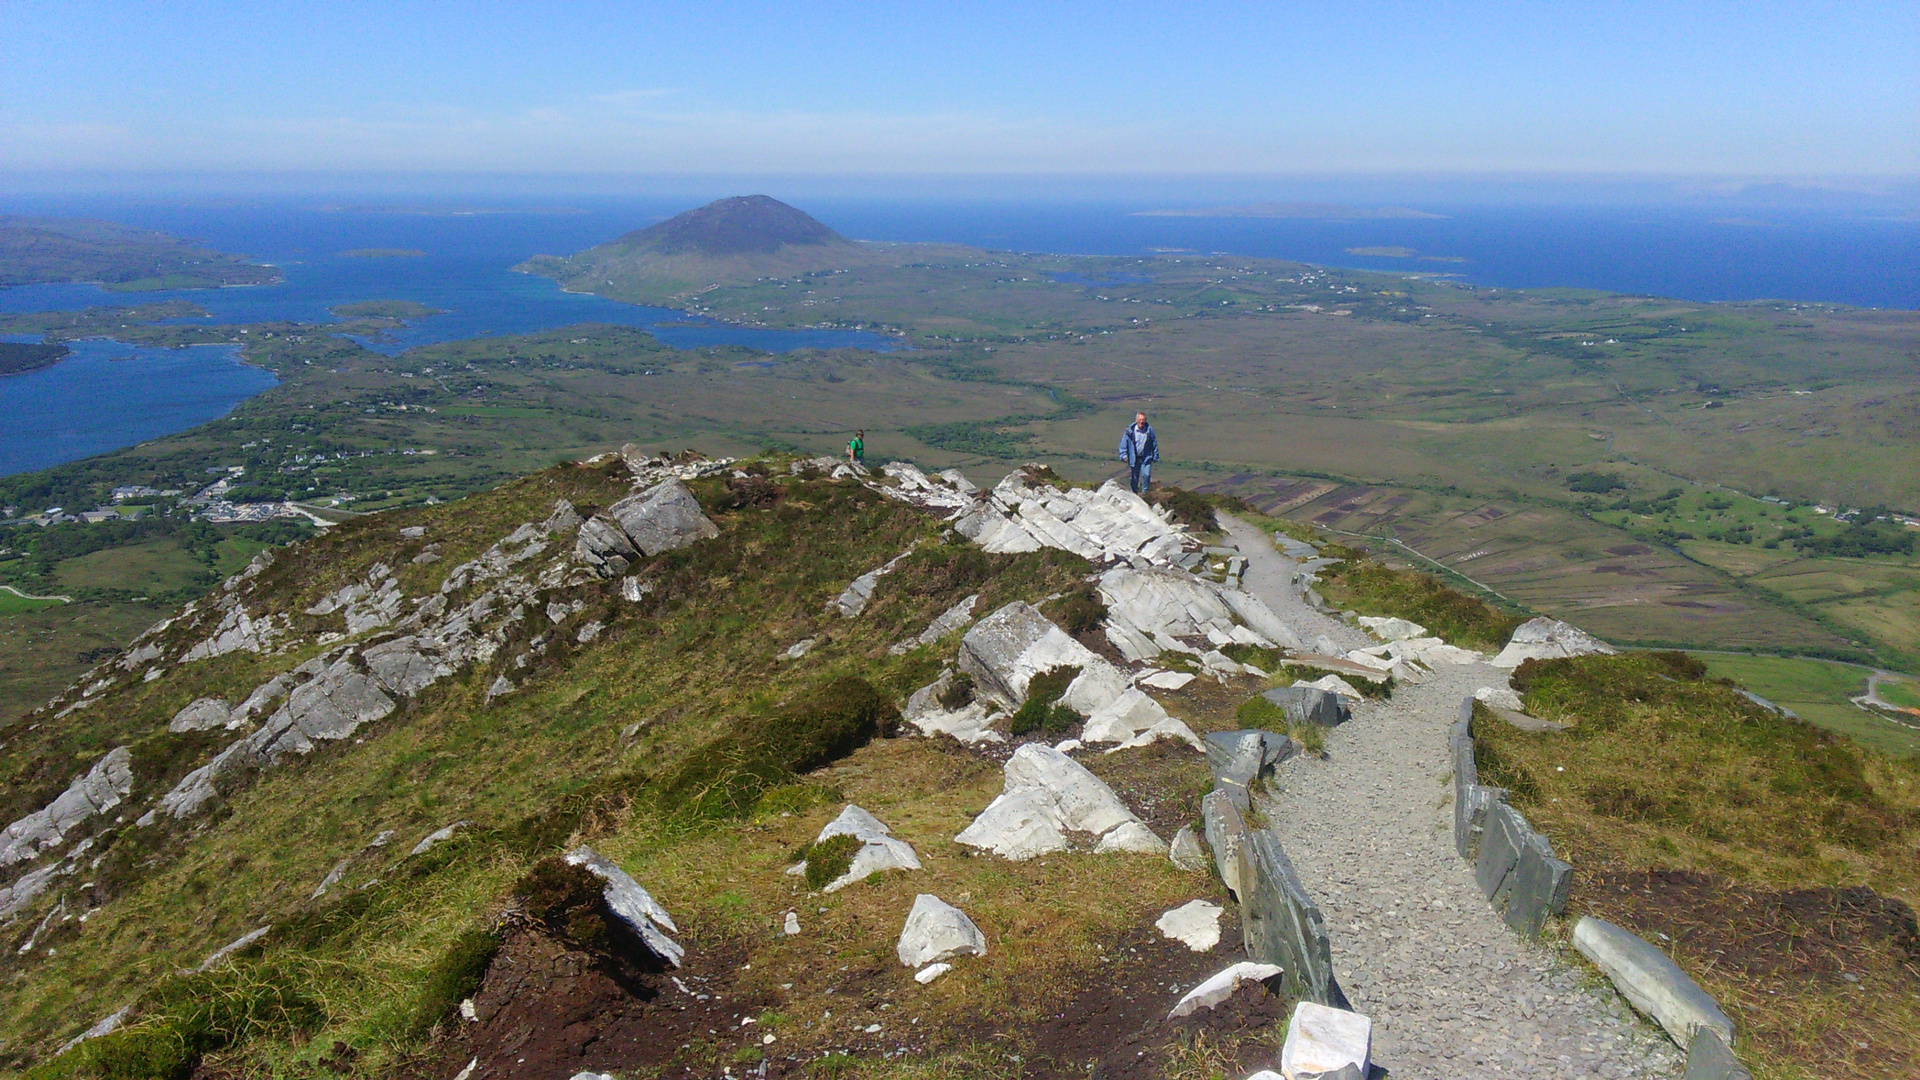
column 1709, row 1059
column 1307, row 705
column 1281, row 925
column 1499, row 853
column 1227, row 836
column 1517, row 871
column 1238, row 758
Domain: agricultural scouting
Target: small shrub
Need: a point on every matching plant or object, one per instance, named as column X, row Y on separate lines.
column 1263, row 658
column 1421, row 598
column 726, row 777
column 453, row 977
column 829, row 859
column 1311, row 737
column 1258, row 712
column 567, row 900
column 1189, row 509
column 1595, row 483
column 959, row 692
column 1040, row 712
column 1079, row 611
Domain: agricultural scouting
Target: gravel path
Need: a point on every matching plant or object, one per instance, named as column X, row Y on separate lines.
column 1452, row 991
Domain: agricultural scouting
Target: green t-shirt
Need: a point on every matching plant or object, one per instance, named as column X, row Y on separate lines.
column 859, row 448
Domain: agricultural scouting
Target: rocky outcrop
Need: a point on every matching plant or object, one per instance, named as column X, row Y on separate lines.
column 1548, row 639
column 1108, row 525
column 98, row 790
column 632, row 904
column 853, row 600
column 665, row 517
column 949, row 621
column 1152, row 611
column 602, row 544
column 1045, row 796
column 1005, row 650
column 201, row 714
column 935, row 932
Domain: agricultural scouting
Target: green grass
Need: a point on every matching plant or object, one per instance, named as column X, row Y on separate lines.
column 1662, row 767
column 13, row 603
column 1904, row 694
column 157, row 566
column 1818, row 690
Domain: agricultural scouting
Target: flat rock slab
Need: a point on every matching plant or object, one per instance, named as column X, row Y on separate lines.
column 1195, row 924
column 1323, row 1041
column 1518, row 719
column 1651, row 981
column 632, row 903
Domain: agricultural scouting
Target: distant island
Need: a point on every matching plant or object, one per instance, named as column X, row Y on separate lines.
column 384, row 253
column 727, row 242
column 384, row 309
column 17, row 358
column 119, row 258
column 1307, row 211
column 1384, row 252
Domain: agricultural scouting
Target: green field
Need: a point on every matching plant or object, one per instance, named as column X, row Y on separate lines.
column 1819, row 691
column 14, row 603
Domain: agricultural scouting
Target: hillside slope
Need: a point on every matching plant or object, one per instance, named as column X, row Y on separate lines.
column 314, row 824
column 120, row 257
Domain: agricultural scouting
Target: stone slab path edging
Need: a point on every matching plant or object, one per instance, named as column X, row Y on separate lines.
column 1452, row 991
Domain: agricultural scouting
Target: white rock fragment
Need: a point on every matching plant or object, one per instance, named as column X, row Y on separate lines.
column 936, row 930
column 800, row 648
column 1195, row 924
column 1322, row 1040
column 931, row 972
column 1167, row 680
column 1548, row 639
column 792, row 925
column 1332, row 684
column 1220, row 986
column 634, row 905
column 437, row 836
column 1500, row 697
column 233, row 946
column 1392, row 629
column 879, row 849
column 1132, row 837
column 468, row 1011
column 1046, row 795
column 1185, row 851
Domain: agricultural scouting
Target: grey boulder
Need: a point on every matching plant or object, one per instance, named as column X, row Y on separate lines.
column 936, row 931
column 603, row 545
column 665, row 517
column 1309, row 705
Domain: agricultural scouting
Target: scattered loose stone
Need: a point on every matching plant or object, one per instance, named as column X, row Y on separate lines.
column 936, row 930
column 792, row 927
column 800, row 648
column 437, row 836
column 1548, row 639
column 1185, row 851
column 931, row 972
column 1321, row 1042
column 1195, row 924
column 1220, row 986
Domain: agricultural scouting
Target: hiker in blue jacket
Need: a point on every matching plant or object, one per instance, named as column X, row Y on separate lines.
column 1139, row 449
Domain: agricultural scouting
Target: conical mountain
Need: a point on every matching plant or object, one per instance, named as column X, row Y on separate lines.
column 742, row 225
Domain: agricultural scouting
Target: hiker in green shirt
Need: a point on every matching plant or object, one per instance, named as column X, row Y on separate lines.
column 857, row 448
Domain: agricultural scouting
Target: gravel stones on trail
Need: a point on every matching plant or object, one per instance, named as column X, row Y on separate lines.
column 1452, row 991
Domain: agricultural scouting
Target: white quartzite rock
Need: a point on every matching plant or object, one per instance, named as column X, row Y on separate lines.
column 437, row 836
column 1392, row 629
column 199, row 715
column 879, row 849
column 935, row 931
column 632, row 903
column 1500, row 697
column 98, row 789
column 1185, row 852
column 967, row 723
column 1548, row 639
column 1220, row 986
column 1048, row 794
column 1322, row 1041
column 1195, row 924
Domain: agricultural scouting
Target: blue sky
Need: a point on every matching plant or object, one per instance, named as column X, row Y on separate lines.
column 1147, row 90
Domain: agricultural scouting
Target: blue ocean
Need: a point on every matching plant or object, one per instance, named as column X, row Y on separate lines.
column 89, row 404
